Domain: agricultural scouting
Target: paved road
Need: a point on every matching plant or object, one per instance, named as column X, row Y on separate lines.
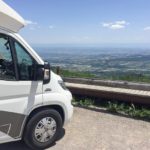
column 96, row 130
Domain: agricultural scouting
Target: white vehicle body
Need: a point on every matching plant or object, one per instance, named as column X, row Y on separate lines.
column 9, row 18
column 21, row 98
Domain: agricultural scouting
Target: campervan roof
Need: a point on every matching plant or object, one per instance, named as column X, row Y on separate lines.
column 9, row 18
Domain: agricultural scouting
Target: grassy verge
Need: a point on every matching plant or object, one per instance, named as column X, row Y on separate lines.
column 123, row 77
column 75, row 74
column 129, row 109
column 132, row 78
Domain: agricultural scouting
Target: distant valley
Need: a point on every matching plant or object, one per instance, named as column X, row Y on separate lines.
column 102, row 62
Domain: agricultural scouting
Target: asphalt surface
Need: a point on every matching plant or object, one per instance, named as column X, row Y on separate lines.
column 97, row 130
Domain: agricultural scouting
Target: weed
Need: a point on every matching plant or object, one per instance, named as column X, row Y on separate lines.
column 132, row 110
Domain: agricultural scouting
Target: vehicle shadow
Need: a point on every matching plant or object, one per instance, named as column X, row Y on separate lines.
column 20, row 145
column 14, row 146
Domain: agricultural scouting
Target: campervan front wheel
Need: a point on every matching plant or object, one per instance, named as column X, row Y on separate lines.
column 43, row 129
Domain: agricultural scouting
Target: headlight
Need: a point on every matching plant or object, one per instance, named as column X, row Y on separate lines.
column 62, row 84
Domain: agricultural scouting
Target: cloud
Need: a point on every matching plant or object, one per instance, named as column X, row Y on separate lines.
column 29, row 22
column 147, row 28
column 32, row 25
column 86, row 37
column 121, row 22
column 106, row 24
column 31, row 28
column 115, row 25
column 51, row 27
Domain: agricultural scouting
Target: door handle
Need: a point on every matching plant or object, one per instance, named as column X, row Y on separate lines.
column 48, row 90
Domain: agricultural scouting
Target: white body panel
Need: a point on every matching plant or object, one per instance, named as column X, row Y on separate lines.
column 58, row 96
column 23, row 94
column 10, row 19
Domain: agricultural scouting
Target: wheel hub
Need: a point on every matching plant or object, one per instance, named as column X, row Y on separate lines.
column 45, row 129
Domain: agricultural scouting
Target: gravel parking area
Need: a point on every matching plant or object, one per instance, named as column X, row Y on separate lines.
column 97, row 130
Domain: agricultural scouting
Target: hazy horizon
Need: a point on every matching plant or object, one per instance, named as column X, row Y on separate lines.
column 102, row 45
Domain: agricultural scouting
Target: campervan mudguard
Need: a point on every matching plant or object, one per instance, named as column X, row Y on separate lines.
column 11, row 123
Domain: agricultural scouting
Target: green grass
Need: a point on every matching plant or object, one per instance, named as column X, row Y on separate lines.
column 75, row 74
column 123, row 77
column 128, row 109
column 67, row 73
column 131, row 77
column 83, row 102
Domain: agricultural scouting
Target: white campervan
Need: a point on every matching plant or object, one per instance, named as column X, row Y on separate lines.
column 34, row 102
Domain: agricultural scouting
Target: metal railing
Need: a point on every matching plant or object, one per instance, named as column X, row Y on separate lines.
column 112, row 90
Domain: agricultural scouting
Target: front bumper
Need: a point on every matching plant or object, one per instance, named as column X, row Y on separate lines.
column 69, row 108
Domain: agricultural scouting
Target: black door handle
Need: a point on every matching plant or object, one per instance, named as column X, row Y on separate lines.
column 47, row 90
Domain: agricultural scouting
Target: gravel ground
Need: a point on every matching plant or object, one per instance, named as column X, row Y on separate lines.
column 96, row 130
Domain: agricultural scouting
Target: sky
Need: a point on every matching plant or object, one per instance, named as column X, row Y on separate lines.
column 85, row 21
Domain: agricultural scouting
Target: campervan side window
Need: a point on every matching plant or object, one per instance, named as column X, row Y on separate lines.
column 6, row 62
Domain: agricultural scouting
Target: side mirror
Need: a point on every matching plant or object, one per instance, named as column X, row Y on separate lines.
column 42, row 73
column 47, row 73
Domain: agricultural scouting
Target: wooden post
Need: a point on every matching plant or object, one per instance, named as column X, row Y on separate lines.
column 58, row 70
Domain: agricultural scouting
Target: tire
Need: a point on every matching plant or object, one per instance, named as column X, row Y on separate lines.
column 33, row 136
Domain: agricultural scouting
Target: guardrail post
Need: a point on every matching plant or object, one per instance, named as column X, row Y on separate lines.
column 58, row 70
